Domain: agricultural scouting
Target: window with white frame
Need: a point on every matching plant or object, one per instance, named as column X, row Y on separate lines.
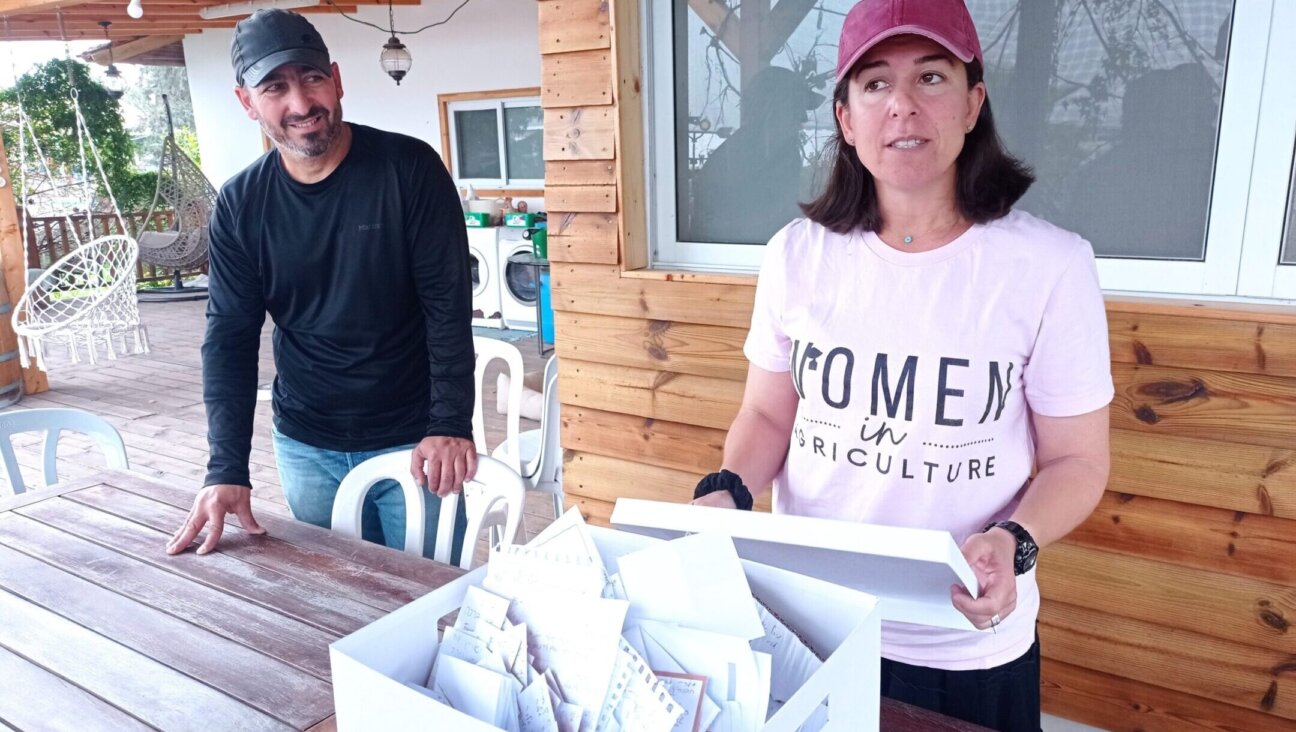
column 495, row 142
column 1163, row 131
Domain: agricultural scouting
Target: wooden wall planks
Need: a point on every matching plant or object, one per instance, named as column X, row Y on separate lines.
column 579, row 133
column 1166, row 610
column 574, row 25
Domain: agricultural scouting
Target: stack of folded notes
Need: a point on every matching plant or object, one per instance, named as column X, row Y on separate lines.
column 668, row 640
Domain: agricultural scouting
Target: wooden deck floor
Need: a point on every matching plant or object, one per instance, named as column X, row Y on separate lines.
column 155, row 401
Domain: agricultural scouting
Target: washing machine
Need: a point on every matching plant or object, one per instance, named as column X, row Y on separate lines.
column 483, row 256
column 519, row 284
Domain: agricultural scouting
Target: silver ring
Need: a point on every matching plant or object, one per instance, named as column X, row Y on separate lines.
column 996, row 620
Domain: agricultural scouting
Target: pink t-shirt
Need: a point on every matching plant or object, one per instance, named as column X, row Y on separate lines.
column 918, row 374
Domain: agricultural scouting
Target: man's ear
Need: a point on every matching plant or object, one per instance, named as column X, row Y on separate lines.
column 245, row 98
column 337, row 79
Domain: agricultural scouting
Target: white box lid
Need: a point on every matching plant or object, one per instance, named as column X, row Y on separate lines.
column 909, row 570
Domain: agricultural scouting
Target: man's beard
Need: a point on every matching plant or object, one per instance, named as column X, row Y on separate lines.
column 312, row 144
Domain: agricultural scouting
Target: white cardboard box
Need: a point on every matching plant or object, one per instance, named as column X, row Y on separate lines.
column 377, row 670
column 910, row 571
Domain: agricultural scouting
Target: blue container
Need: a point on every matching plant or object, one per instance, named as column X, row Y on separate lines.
column 546, row 308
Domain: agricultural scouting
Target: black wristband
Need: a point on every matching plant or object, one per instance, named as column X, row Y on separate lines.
column 725, row 481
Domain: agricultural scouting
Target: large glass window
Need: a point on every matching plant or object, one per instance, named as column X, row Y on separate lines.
column 1139, row 119
column 1116, row 105
column 476, row 133
column 494, row 139
column 524, row 141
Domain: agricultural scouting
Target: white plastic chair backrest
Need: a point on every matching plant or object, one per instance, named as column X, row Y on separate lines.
column 488, row 350
column 348, row 504
column 494, row 484
column 547, row 463
column 496, row 490
column 53, row 422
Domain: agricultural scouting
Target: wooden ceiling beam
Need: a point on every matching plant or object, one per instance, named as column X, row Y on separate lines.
column 12, row 7
column 86, row 35
column 131, row 49
column 20, row 8
column 120, row 28
column 117, row 12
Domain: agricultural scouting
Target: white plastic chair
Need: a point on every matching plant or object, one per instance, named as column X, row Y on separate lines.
column 539, row 451
column 497, row 489
column 53, row 422
column 488, row 350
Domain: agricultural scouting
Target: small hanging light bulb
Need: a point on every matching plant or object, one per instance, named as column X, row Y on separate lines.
column 395, row 59
column 113, row 81
column 135, row 9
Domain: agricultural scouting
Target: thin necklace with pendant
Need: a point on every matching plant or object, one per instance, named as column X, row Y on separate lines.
column 908, row 239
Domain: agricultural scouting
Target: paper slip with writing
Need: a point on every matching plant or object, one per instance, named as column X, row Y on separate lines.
column 638, row 701
column 514, row 571
column 738, row 677
column 482, row 606
column 483, row 636
column 690, row 693
column 535, row 709
column 793, row 662
column 569, row 535
column 696, row 581
column 478, row 692
column 578, row 638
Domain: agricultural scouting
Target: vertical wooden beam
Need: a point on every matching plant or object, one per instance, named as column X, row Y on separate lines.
column 13, row 262
column 628, row 90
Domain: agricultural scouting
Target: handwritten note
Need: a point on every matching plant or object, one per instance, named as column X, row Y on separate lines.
column 535, row 709
column 689, row 691
column 578, row 636
column 643, row 703
column 516, row 571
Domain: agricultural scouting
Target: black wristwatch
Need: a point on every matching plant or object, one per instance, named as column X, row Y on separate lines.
column 1027, row 549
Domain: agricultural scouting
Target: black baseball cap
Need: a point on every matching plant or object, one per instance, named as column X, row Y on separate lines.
column 268, row 39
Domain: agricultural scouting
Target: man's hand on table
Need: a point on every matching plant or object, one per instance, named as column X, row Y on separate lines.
column 442, row 464
column 209, row 509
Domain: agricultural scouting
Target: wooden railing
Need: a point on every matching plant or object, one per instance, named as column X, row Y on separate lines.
column 50, row 237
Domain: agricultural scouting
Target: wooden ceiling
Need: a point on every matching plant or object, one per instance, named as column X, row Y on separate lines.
column 45, row 20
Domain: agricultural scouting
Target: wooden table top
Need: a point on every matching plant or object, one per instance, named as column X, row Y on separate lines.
column 101, row 629
column 100, row 624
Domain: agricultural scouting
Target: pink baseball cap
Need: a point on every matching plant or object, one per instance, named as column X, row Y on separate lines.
column 946, row 22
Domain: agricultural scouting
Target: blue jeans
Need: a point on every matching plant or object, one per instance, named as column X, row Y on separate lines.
column 311, row 475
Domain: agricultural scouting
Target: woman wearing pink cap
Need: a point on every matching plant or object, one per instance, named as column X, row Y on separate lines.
column 919, row 350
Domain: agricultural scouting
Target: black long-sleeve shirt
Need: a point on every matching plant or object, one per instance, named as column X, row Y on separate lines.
column 366, row 276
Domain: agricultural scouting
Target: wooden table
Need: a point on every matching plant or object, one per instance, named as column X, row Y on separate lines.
column 100, row 629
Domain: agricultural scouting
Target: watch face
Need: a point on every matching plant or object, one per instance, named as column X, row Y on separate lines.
column 1027, row 550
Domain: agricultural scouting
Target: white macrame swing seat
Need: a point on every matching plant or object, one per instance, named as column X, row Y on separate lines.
column 182, row 187
column 86, row 300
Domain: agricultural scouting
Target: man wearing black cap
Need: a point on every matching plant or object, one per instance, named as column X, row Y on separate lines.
column 353, row 240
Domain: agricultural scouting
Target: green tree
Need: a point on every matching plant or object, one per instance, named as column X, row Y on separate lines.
column 146, row 97
column 187, row 141
column 48, row 104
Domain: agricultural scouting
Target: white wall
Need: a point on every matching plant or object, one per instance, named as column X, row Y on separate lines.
column 489, row 44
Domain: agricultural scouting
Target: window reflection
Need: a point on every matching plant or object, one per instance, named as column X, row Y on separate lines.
column 1115, row 103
